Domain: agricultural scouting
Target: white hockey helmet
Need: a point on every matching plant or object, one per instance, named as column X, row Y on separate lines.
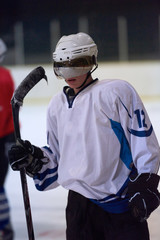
column 3, row 50
column 75, row 55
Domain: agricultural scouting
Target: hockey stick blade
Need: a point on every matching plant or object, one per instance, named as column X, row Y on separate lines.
column 27, row 84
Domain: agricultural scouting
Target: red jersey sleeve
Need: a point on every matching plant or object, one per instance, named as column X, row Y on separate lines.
column 6, row 93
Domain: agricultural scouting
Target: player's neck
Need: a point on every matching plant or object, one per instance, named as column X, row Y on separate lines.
column 76, row 90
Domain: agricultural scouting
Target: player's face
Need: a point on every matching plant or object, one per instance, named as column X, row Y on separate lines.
column 76, row 82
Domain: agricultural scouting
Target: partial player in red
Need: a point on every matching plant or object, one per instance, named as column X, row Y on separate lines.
column 6, row 140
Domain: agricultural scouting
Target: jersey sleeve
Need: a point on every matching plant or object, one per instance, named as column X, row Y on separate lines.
column 139, row 131
column 47, row 177
column 7, row 89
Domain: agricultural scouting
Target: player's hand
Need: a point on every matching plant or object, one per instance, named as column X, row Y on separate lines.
column 25, row 155
column 144, row 197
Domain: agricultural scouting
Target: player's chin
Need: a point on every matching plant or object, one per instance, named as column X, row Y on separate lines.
column 71, row 82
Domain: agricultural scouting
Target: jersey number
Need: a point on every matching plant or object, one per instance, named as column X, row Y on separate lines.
column 140, row 118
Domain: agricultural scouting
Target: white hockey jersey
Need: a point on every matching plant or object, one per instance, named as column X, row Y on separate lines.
column 96, row 139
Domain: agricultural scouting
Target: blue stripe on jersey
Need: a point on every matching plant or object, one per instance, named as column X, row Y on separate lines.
column 46, row 183
column 50, row 179
column 118, row 194
column 41, row 176
column 48, row 149
column 119, row 205
column 125, row 108
column 146, row 133
column 125, row 153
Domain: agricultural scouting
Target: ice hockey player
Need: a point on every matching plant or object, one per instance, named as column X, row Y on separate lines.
column 6, row 140
column 101, row 147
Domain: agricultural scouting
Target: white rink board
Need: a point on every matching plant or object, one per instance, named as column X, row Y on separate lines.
column 144, row 76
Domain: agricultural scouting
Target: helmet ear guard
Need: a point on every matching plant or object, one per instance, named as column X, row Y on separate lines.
column 74, row 55
column 94, row 60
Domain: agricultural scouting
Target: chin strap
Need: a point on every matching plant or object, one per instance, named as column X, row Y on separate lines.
column 88, row 74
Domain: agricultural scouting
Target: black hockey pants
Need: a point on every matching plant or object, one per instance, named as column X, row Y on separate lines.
column 87, row 221
column 3, row 162
column 5, row 143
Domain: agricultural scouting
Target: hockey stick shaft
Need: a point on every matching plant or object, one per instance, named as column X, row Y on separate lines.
column 15, row 112
column 17, row 100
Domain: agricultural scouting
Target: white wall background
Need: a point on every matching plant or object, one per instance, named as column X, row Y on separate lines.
column 144, row 76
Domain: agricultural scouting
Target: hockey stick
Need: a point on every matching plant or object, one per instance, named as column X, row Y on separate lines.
column 17, row 101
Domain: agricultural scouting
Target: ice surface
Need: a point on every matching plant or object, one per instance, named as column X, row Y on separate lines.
column 48, row 208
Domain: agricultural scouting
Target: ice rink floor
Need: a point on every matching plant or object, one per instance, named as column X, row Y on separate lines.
column 48, row 208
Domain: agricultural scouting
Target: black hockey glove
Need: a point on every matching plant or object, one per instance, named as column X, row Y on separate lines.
column 144, row 197
column 25, row 155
